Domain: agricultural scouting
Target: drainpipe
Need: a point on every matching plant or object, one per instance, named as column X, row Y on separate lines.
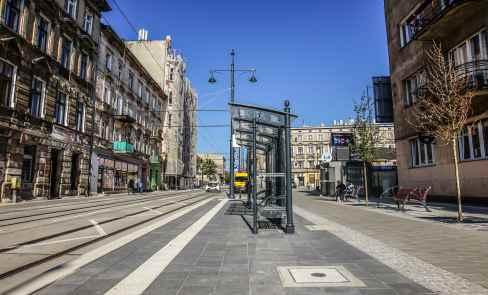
column 92, row 136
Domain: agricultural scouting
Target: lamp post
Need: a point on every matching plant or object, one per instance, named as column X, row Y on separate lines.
column 212, row 80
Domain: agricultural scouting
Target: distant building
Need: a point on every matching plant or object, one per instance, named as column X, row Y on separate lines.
column 219, row 160
column 462, row 29
column 310, row 144
column 383, row 99
column 168, row 68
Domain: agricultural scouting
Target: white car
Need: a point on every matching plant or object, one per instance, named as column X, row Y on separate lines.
column 212, row 187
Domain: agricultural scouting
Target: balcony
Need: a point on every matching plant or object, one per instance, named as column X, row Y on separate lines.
column 476, row 74
column 122, row 147
column 126, row 116
column 435, row 19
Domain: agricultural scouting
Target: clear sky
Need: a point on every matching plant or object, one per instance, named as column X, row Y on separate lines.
column 319, row 54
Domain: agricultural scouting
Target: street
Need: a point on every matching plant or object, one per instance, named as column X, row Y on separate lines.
column 192, row 242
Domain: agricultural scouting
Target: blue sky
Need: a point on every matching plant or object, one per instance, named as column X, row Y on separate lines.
column 319, row 54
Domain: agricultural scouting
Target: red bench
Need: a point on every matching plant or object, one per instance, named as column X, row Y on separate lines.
column 413, row 195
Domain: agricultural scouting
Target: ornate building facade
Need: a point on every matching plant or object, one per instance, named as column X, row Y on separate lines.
column 48, row 51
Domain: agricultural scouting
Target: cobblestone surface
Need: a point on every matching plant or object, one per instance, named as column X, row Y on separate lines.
column 444, row 257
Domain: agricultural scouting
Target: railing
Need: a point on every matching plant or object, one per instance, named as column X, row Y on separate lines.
column 430, row 12
column 122, row 147
column 475, row 72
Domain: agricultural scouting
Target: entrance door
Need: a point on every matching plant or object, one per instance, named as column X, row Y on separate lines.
column 54, row 177
column 100, row 177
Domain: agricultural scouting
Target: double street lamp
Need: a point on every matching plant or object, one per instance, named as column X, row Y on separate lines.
column 213, row 80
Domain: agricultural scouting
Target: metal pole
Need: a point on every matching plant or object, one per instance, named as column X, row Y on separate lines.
column 232, row 100
column 254, row 178
column 290, row 227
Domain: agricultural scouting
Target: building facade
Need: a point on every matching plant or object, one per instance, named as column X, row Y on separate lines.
column 461, row 27
column 169, row 69
column 310, row 144
column 48, row 53
column 129, row 116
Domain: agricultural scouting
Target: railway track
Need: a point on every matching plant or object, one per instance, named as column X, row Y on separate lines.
column 193, row 199
column 76, row 210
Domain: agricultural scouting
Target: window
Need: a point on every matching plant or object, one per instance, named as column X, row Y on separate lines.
column 42, row 33
column 169, row 120
column 121, row 69
column 28, row 168
column 12, row 14
column 80, row 115
column 37, row 97
column 75, row 171
column 412, row 86
column 473, row 141
column 311, row 164
column 300, row 150
column 465, row 145
column 310, row 149
column 300, row 164
column 131, row 80
column 70, row 6
column 7, row 83
column 108, row 61
column 83, row 66
column 88, row 22
column 171, row 74
column 60, row 108
column 421, row 153
column 408, row 28
column 170, row 98
column 139, row 89
column 66, row 53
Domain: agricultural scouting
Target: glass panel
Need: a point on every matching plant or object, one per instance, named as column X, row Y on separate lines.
column 485, row 135
column 422, row 147
column 6, row 74
column 430, row 154
column 42, row 30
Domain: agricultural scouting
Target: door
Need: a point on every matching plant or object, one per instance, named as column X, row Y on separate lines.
column 54, row 177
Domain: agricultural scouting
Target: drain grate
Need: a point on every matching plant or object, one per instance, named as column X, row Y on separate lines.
column 318, row 276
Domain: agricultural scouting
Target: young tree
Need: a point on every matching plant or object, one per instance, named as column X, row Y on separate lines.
column 365, row 137
column 443, row 106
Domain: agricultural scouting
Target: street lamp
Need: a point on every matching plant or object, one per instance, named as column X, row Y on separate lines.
column 213, row 80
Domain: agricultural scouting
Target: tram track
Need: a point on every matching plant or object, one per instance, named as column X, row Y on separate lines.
column 192, row 201
column 80, row 210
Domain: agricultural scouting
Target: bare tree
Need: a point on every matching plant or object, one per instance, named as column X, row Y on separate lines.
column 365, row 137
column 443, row 106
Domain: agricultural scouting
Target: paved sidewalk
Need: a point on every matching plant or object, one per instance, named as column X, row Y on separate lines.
column 225, row 258
column 450, row 247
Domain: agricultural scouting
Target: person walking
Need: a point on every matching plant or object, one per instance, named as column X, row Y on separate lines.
column 340, row 190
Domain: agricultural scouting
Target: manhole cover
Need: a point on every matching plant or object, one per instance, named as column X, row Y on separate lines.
column 318, row 276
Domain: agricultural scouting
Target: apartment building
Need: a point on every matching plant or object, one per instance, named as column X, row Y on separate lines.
column 48, row 52
column 168, row 67
column 461, row 27
column 129, row 119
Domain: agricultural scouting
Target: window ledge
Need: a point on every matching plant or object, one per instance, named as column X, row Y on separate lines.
column 473, row 160
column 422, row 166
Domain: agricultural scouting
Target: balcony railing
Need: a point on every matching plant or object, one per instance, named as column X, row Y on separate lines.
column 127, row 116
column 475, row 72
column 122, row 147
column 431, row 11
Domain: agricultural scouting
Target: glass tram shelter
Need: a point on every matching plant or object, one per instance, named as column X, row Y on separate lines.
column 266, row 136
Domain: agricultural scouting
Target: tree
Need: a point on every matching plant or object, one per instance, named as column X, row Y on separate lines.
column 443, row 106
column 206, row 167
column 365, row 137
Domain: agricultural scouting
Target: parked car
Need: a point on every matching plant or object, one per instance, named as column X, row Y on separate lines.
column 212, row 187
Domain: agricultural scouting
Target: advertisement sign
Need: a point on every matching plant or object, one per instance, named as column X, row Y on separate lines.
column 341, row 139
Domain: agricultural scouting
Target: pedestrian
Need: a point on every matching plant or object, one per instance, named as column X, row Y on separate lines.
column 340, row 190
column 131, row 186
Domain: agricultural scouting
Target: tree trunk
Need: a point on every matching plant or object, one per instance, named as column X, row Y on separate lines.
column 366, row 190
column 458, row 182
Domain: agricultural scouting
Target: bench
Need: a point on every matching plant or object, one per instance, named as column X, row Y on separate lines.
column 402, row 196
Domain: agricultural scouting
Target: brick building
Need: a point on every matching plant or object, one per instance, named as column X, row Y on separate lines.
column 461, row 27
